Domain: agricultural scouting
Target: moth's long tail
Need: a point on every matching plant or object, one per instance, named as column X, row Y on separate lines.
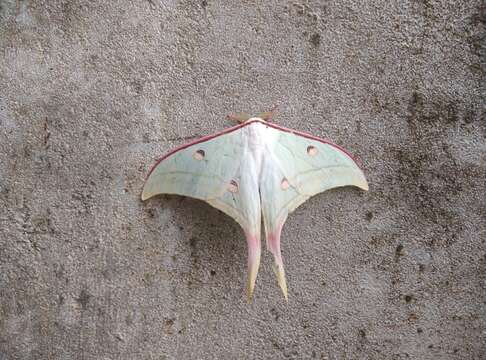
column 273, row 244
column 254, row 251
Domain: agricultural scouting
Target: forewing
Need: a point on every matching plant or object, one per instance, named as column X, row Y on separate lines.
column 209, row 170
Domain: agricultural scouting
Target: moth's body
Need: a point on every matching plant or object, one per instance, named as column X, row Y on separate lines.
column 257, row 145
column 255, row 169
column 257, row 163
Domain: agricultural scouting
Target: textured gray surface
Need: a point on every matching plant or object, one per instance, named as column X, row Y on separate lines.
column 91, row 92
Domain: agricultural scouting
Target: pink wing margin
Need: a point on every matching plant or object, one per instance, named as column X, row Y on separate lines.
column 239, row 126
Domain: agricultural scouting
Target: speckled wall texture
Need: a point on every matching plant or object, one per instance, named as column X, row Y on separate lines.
column 91, row 92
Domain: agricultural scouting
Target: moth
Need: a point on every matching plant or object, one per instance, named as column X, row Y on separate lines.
column 255, row 169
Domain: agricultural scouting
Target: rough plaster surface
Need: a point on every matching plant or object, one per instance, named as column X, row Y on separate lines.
column 91, row 92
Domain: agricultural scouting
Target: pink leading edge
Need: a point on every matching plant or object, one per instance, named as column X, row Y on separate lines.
column 236, row 127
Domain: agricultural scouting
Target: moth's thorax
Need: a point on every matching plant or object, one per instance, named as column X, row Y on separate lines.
column 256, row 137
column 255, row 146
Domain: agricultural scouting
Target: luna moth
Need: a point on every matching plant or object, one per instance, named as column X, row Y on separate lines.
column 252, row 170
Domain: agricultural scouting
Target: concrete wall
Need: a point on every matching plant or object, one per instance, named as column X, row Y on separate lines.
column 91, row 92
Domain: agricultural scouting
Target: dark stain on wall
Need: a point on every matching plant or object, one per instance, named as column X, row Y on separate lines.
column 429, row 175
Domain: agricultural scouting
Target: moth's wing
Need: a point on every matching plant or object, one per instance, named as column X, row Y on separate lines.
column 207, row 170
column 217, row 170
column 296, row 167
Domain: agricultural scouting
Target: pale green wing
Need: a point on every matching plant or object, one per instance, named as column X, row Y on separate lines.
column 210, row 170
column 298, row 167
column 221, row 171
